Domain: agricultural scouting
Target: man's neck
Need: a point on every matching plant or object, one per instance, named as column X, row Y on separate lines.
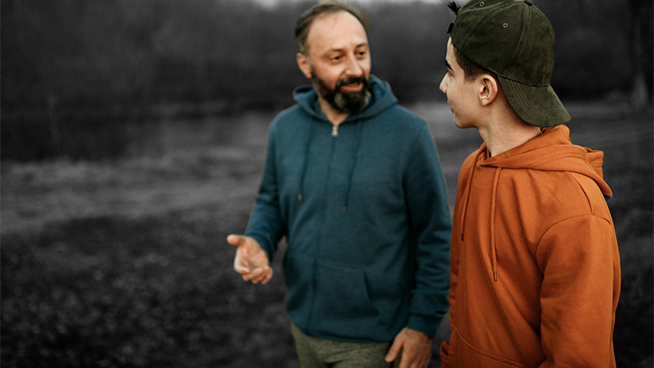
column 334, row 116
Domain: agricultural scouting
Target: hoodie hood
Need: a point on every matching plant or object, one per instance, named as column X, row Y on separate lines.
column 381, row 99
column 551, row 151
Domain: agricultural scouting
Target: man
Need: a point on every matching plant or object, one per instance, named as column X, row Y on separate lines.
column 353, row 181
column 535, row 269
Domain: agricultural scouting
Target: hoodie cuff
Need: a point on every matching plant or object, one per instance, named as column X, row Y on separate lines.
column 426, row 325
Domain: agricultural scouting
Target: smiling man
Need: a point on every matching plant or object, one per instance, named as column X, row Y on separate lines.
column 353, row 181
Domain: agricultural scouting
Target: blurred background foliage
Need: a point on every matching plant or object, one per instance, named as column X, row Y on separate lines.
column 79, row 62
column 133, row 139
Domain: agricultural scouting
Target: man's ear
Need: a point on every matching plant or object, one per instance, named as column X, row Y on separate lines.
column 489, row 88
column 304, row 64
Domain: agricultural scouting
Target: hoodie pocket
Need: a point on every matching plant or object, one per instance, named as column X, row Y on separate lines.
column 300, row 273
column 466, row 355
column 342, row 304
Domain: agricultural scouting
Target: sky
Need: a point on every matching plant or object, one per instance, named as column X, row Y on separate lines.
column 272, row 3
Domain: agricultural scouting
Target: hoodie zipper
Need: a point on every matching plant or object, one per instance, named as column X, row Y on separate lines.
column 321, row 230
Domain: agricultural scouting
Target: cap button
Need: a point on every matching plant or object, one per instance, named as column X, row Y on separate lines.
column 529, row 2
column 481, row 3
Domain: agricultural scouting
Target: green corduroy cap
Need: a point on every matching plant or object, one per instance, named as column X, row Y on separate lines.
column 514, row 40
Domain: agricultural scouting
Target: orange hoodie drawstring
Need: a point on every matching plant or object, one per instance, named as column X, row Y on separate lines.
column 467, row 195
column 492, row 223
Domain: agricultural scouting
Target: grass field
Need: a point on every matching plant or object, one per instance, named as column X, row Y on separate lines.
column 125, row 264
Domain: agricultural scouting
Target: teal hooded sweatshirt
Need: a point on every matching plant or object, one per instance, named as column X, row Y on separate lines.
column 364, row 211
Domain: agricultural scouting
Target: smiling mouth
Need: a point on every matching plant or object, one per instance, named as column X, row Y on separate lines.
column 352, row 87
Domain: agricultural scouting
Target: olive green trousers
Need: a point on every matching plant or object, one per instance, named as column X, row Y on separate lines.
column 315, row 352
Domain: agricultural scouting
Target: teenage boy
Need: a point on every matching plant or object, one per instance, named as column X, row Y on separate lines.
column 535, row 269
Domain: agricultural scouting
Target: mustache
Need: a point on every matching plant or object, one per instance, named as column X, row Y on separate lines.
column 351, row 80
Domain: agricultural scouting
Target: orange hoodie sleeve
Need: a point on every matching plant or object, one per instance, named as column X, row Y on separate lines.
column 581, row 282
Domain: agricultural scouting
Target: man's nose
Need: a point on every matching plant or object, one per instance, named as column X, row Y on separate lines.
column 354, row 67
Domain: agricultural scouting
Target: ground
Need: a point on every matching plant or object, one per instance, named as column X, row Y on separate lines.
column 125, row 263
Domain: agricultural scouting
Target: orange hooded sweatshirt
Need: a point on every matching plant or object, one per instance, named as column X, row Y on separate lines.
column 535, row 269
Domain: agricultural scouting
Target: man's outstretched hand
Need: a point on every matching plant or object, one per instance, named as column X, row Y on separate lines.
column 250, row 261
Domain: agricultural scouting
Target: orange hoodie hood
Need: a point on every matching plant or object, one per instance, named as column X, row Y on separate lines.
column 551, row 151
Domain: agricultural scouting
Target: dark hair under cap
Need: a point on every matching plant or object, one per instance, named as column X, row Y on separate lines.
column 303, row 24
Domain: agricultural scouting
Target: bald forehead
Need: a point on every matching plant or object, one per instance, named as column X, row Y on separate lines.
column 334, row 28
column 334, row 15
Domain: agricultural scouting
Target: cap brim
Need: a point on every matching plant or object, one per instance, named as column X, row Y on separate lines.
column 539, row 106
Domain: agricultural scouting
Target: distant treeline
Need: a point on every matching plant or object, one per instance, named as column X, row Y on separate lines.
column 83, row 59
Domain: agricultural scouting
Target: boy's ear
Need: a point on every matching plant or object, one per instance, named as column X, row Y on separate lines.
column 304, row 64
column 488, row 89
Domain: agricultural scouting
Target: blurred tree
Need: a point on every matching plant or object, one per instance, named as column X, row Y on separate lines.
column 640, row 40
column 601, row 47
column 79, row 61
column 407, row 47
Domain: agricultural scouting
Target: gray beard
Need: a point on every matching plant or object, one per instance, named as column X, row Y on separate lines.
column 349, row 103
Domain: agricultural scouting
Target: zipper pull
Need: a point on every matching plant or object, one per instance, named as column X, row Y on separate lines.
column 335, row 131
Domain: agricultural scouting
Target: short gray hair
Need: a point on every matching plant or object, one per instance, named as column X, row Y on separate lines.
column 303, row 25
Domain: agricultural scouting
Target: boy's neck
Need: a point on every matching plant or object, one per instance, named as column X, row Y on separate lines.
column 506, row 132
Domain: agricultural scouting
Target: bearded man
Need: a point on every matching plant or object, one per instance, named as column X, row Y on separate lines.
column 353, row 182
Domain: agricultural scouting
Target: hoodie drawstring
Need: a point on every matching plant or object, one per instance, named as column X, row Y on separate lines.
column 492, row 223
column 465, row 204
column 353, row 163
column 305, row 163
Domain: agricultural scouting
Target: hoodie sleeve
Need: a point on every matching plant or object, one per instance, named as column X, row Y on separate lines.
column 581, row 282
column 266, row 225
column 431, row 226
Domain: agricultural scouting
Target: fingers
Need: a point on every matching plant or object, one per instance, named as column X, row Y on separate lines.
column 250, row 260
column 393, row 351
column 261, row 274
column 235, row 239
column 243, row 270
column 415, row 347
